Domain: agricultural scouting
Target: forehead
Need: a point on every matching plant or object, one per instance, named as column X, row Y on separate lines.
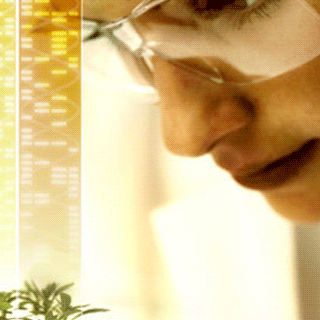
column 108, row 9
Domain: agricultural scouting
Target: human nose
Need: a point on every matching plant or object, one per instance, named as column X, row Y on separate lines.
column 196, row 113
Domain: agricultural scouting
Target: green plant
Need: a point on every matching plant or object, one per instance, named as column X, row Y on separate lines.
column 52, row 302
column 6, row 299
column 49, row 303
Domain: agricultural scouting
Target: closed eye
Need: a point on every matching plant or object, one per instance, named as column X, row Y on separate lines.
column 238, row 11
column 215, row 8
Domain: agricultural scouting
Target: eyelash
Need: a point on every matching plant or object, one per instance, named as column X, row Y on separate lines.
column 239, row 17
column 261, row 11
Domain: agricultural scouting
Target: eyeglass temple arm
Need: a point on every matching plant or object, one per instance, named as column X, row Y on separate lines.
column 142, row 8
column 145, row 6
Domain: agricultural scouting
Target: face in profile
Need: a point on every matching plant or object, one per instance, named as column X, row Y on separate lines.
column 255, row 104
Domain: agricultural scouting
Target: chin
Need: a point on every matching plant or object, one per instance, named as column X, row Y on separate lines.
column 299, row 208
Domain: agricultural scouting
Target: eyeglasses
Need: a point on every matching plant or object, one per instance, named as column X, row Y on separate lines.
column 132, row 47
column 241, row 43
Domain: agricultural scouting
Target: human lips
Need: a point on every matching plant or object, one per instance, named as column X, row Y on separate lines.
column 278, row 172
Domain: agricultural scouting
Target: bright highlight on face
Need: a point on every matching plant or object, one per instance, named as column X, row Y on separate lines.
column 262, row 122
column 259, row 40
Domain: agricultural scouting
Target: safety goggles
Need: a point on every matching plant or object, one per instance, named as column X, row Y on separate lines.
column 243, row 42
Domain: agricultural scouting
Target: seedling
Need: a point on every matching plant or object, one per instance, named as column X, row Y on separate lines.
column 50, row 303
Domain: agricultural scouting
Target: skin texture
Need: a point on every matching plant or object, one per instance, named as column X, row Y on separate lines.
column 109, row 10
column 257, row 123
column 263, row 122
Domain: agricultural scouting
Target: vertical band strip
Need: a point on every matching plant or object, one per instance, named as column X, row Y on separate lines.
column 50, row 56
column 7, row 143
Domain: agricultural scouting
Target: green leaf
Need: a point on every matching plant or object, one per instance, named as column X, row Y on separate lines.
column 49, row 289
column 12, row 299
column 65, row 300
column 64, row 288
column 68, row 313
column 60, row 290
column 82, row 306
column 28, row 300
column 95, row 310
column 32, row 290
column 90, row 311
column 50, row 316
column 36, row 312
column 5, row 305
column 51, row 297
column 28, row 286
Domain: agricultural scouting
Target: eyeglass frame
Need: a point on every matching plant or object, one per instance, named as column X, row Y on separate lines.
column 142, row 53
column 104, row 28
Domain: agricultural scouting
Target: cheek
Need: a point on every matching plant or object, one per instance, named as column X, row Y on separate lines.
column 291, row 102
column 315, row 4
column 300, row 208
column 300, row 203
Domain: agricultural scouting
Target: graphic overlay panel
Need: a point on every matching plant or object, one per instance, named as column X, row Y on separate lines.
column 50, row 127
column 7, row 144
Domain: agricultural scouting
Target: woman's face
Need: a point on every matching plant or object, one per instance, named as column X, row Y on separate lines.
column 245, row 129
column 266, row 135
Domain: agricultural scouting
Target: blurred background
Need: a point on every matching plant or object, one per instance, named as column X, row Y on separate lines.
column 171, row 238
column 166, row 237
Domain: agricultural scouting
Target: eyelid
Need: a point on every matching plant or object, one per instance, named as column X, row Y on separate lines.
column 202, row 10
column 237, row 18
